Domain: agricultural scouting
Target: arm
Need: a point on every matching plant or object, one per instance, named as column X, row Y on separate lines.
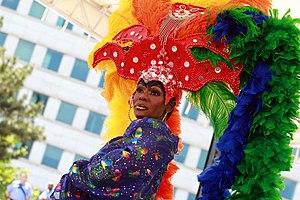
column 8, row 190
column 7, row 194
column 29, row 192
column 137, row 156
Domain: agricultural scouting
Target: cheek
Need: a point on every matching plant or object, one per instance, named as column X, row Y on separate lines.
column 135, row 97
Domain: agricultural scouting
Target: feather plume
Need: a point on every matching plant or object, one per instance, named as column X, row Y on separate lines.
column 216, row 100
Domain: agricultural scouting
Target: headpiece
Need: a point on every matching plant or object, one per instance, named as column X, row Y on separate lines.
column 172, row 56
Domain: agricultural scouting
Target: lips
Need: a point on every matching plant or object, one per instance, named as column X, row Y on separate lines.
column 140, row 107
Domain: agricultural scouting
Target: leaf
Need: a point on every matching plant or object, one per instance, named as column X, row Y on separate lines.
column 216, row 100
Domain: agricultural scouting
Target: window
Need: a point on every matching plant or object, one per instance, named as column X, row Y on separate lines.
column 95, row 122
column 61, row 21
column 36, row 10
column 12, row 4
column 191, row 196
column 27, row 145
column 66, row 113
column 101, row 82
column 52, row 156
column 24, row 50
column 190, row 111
column 2, row 38
column 37, row 98
column 80, row 70
column 202, row 159
column 289, row 189
column 182, row 154
column 79, row 157
column 175, row 190
column 52, row 60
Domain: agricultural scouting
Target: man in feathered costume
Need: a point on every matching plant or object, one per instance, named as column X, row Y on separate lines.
column 239, row 64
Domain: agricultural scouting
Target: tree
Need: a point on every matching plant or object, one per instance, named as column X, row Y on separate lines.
column 16, row 118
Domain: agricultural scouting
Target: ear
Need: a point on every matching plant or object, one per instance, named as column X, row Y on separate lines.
column 171, row 105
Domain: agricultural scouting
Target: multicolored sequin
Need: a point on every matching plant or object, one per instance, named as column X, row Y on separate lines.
column 127, row 167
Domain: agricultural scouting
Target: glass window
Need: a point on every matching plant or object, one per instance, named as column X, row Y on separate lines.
column 79, row 157
column 37, row 98
column 182, row 154
column 190, row 111
column 52, row 60
column 52, row 156
column 24, row 50
column 80, row 70
column 289, row 189
column 202, row 159
column 101, row 82
column 95, row 122
column 66, row 113
column 191, row 196
column 61, row 21
column 2, row 38
column 36, row 10
column 12, row 4
column 27, row 145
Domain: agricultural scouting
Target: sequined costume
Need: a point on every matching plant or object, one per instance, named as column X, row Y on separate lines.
column 127, row 167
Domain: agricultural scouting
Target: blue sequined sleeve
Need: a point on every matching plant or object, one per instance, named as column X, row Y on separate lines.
column 128, row 167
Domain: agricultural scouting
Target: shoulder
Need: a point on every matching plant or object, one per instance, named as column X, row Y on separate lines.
column 28, row 184
column 154, row 128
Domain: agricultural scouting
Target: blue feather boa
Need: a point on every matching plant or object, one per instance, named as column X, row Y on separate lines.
column 217, row 179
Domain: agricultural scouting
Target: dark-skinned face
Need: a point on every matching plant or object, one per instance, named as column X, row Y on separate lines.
column 149, row 100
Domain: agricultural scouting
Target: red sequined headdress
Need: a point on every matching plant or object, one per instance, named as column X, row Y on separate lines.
column 164, row 52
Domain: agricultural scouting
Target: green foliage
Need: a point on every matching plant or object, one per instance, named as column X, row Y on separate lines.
column 6, row 177
column 16, row 118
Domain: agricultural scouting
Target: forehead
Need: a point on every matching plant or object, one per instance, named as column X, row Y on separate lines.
column 152, row 84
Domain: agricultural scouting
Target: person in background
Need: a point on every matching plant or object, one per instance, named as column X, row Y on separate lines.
column 19, row 189
column 46, row 194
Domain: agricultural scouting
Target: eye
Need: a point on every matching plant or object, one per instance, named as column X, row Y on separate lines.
column 139, row 90
column 155, row 93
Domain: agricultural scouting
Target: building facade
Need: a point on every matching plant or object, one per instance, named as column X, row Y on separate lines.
column 74, row 111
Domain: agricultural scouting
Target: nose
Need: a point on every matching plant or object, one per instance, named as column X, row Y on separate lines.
column 143, row 96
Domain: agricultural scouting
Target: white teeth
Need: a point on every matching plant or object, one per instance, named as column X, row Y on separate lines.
column 140, row 107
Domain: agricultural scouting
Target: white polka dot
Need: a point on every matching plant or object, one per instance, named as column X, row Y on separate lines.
column 131, row 72
column 217, row 69
column 105, row 53
column 186, row 64
column 186, row 78
column 195, row 40
column 174, row 48
column 152, row 46
column 135, row 59
column 115, row 54
column 132, row 33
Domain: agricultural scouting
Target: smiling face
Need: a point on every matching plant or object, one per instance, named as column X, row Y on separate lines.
column 149, row 100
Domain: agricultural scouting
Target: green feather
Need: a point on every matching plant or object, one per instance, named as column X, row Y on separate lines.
column 216, row 100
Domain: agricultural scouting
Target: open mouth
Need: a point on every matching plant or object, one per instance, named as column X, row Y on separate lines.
column 140, row 107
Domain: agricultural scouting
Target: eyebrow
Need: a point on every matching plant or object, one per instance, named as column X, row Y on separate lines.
column 151, row 84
